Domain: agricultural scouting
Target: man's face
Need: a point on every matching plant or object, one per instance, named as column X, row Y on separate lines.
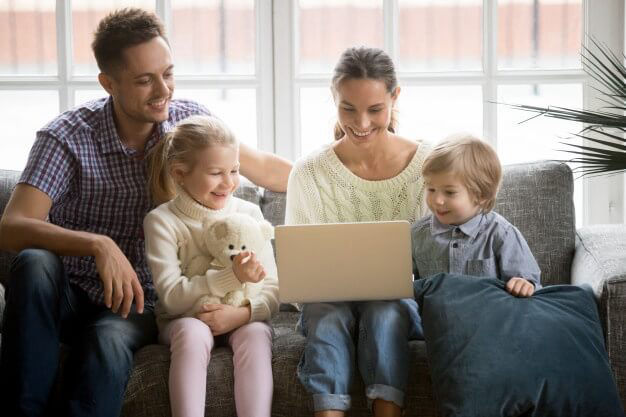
column 142, row 88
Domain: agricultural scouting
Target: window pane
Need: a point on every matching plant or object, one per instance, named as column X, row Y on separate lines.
column 236, row 107
column 539, row 34
column 28, row 38
column 83, row 96
column 24, row 112
column 328, row 27
column 539, row 138
column 440, row 35
column 318, row 115
column 213, row 37
column 86, row 14
column 432, row 113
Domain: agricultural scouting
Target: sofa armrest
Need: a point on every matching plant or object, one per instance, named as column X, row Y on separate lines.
column 600, row 255
column 600, row 261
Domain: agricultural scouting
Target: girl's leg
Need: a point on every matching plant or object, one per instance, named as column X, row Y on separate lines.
column 190, row 343
column 252, row 363
column 383, row 352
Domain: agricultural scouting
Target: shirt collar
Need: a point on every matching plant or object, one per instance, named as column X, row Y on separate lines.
column 109, row 140
column 469, row 228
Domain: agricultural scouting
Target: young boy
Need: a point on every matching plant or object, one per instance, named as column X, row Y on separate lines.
column 462, row 235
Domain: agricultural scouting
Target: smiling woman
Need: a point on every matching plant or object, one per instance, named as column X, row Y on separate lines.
column 367, row 174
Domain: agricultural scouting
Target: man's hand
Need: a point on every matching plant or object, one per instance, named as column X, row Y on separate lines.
column 247, row 268
column 119, row 279
column 520, row 287
column 222, row 318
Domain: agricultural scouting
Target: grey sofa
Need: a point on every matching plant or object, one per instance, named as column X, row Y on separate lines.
column 536, row 197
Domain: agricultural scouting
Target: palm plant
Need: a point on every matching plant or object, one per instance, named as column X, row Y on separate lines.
column 605, row 149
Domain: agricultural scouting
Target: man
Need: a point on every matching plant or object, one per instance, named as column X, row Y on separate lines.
column 81, row 276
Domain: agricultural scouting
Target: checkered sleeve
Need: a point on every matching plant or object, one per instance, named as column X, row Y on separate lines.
column 50, row 166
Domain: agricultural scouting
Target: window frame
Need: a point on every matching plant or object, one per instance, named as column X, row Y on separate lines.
column 603, row 197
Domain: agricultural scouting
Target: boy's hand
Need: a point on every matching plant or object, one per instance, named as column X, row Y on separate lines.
column 247, row 268
column 520, row 287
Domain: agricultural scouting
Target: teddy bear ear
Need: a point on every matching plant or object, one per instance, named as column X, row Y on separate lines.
column 208, row 222
column 267, row 229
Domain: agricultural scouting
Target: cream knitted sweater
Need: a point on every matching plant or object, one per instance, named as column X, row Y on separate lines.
column 323, row 190
column 173, row 238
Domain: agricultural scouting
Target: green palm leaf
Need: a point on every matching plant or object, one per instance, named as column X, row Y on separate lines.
column 609, row 156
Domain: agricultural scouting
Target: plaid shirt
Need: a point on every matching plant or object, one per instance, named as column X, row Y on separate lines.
column 98, row 185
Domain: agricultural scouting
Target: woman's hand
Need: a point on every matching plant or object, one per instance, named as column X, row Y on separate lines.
column 520, row 287
column 222, row 318
column 247, row 268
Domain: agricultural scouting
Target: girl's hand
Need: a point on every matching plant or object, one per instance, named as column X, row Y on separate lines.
column 247, row 268
column 222, row 318
column 520, row 287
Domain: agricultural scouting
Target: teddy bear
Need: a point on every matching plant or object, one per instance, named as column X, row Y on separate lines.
column 223, row 238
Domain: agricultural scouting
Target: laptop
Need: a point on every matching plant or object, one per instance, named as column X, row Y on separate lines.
column 344, row 261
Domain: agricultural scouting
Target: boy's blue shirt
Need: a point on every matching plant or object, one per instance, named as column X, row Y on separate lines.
column 487, row 245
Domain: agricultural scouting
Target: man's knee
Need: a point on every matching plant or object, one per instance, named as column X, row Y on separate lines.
column 36, row 271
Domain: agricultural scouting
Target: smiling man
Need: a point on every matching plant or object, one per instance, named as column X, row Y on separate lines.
column 76, row 220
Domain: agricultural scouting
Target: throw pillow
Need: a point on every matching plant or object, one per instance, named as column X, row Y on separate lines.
column 493, row 354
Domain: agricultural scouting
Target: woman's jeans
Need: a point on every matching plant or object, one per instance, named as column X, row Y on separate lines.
column 43, row 309
column 379, row 329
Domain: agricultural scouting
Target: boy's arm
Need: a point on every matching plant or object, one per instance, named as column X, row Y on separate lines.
column 264, row 169
column 516, row 259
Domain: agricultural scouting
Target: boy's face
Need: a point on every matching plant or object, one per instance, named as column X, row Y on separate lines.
column 143, row 87
column 449, row 199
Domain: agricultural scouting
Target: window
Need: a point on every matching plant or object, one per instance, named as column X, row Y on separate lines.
column 264, row 66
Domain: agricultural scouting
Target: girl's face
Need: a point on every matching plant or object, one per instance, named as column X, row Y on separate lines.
column 364, row 108
column 214, row 177
column 449, row 199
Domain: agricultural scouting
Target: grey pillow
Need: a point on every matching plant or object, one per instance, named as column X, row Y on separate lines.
column 493, row 354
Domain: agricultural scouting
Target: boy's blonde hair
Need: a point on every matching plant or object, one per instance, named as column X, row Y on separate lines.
column 190, row 136
column 474, row 162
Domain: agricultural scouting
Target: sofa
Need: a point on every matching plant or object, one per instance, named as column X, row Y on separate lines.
column 536, row 197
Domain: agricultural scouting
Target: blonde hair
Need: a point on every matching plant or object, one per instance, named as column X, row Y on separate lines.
column 180, row 146
column 474, row 161
column 366, row 63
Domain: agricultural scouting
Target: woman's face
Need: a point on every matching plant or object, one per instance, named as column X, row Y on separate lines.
column 364, row 108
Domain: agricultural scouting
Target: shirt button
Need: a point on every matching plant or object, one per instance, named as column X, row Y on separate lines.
column 455, row 245
column 457, row 230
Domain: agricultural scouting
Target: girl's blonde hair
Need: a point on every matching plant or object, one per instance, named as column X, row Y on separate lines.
column 366, row 63
column 474, row 162
column 190, row 136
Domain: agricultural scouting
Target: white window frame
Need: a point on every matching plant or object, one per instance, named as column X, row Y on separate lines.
column 66, row 83
column 603, row 197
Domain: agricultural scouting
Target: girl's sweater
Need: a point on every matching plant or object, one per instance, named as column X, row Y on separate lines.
column 173, row 233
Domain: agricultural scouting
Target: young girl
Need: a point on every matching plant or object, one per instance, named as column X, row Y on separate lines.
column 463, row 235
column 194, row 171
column 368, row 173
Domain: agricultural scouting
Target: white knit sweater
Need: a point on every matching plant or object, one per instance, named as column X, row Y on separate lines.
column 173, row 238
column 322, row 189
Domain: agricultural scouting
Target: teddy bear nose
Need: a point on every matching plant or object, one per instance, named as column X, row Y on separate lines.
column 232, row 257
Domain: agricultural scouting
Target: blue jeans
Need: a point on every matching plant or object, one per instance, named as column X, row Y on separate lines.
column 383, row 329
column 43, row 309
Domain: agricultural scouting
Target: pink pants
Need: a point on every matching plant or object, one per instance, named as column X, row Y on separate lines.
column 191, row 342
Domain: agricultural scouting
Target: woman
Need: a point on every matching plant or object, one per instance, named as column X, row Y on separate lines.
column 368, row 174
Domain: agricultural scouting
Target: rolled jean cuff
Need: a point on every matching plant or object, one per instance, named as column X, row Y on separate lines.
column 323, row 402
column 384, row 392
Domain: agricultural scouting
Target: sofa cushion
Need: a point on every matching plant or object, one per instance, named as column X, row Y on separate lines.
column 8, row 179
column 537, row 198
column 493, row 354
